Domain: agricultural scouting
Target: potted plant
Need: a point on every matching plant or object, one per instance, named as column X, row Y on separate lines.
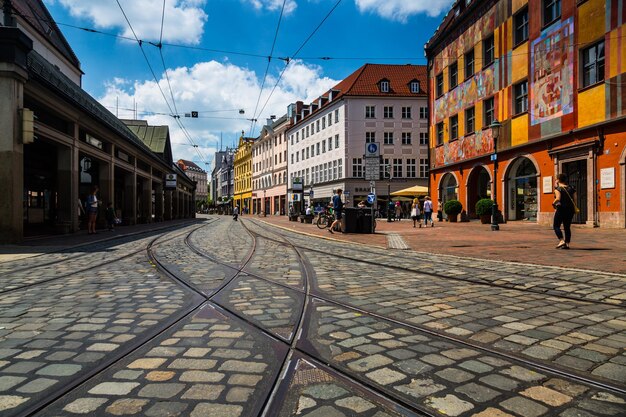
column 483, row 210
column 452, row 208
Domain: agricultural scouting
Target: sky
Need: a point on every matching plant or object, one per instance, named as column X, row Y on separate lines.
column 214, row 57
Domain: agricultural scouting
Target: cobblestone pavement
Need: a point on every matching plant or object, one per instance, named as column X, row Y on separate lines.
column 233, row 320
column 436, row 375
column 209, row 365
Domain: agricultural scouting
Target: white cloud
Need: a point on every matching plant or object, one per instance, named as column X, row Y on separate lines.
column 217, row 90
column 273, row 5
column 184, row 19
column 401, row 10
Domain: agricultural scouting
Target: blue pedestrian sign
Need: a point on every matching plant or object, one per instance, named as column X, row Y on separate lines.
column 371, row 198
column 372, row 150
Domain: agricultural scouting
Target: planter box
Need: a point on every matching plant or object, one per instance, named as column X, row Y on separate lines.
column 485, row 219
column 452, row 218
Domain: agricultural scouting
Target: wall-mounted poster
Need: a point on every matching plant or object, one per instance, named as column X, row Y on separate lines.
column 467, row 147
column 552, row 73
column 548, row 185
column 607, row 178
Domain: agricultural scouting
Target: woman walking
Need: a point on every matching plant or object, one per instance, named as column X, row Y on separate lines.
column 415, row 212
column 565, row 210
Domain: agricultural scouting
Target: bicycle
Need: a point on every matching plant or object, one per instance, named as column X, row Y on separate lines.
column 324, row 219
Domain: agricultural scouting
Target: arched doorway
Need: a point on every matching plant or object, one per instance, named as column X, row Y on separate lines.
column 522, row 190
column 478, row 186
column 448, row 189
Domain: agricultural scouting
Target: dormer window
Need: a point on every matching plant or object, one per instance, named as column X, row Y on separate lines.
column 384, row 86
column 415, row 86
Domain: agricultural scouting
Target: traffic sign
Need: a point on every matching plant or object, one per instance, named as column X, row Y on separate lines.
column 371, row 198
column 372, row 169
column 372, row 150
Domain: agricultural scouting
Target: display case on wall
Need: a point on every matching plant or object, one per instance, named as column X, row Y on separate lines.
column 530, row 202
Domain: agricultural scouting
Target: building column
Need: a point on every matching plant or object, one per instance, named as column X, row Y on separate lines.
column 130, row 203
column 67, row 209
column 167, row 214
column 158, row 201
column 13, row 75
column 146, row 198
column 106, row 189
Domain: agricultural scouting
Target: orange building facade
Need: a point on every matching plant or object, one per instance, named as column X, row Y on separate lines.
column 552, row 72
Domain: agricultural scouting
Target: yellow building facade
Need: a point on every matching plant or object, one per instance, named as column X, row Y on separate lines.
column 551, row 72
column 242, row 166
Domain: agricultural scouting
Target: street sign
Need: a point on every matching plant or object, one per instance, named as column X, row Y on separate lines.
column 372, row 150
column 494, row 156
column 371, row 198
column 372, row 168
column 311, row 193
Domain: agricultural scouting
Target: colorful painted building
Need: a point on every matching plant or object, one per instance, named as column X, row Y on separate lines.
column 243, row 174
column 551, row 72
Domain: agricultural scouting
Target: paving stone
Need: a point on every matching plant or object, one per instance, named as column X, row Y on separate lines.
column 325, row 391
column 113, row 388
column 385, row 376
column 203, row 392
column 85, row 405
column 493, row 412
column 454, row 375
column 449, row 405
column 166, row 409
column 369, row 362
column 238, row 394
column 479, row 393
column 523, row 374
column 611, row 371
column 59, row 370
column 37, row 385
column 356, row 404
column 420, row 387
column 7, row 381
column 547, row 396
column 126, row 406
column 216, row 410
column 500, row 382
column 524, row 407
column 325, row 411
column 8, row 402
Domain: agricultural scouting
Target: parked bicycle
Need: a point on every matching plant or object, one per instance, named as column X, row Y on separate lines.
column 325, row 219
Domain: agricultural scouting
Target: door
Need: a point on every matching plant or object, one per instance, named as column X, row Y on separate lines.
column 576, row 172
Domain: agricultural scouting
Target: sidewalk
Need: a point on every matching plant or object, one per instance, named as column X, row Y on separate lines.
column 54, row 243
column 592, row 248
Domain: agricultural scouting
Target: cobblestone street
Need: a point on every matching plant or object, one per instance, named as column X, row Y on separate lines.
column 227, row 319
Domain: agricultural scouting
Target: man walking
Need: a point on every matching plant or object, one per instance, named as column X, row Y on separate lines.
column 338, row 209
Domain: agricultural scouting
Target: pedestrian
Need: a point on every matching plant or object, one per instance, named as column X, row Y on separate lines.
column 109, row 214
column 415, row 212
column 92, row 210
column 398, row 211
column 236, row 213
column 565, row 210
column 428, row 212
column 338, row 209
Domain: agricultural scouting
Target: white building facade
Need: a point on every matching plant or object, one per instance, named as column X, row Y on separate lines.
column 385, row 104
column 269, row 168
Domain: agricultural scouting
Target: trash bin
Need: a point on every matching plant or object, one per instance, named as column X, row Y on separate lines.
column 350, row 220
column 358, row 220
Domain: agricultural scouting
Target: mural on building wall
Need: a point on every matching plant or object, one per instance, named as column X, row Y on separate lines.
column 474, row 34
column 552, row 70
column 478, row 144
column 467, row 93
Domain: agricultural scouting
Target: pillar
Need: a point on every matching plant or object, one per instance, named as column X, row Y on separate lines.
column 14, row 45
column 106, row 194
column 130, row 197
column 167, row 205
column 67, row 209
column 158, row 201
column 146, row 199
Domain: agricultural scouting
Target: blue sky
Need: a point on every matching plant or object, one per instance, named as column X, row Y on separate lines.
column 219, row 83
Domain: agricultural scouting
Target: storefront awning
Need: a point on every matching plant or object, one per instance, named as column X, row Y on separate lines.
column 414, row 191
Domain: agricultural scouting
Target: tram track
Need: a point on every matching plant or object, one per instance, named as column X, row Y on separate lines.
column 512, row 357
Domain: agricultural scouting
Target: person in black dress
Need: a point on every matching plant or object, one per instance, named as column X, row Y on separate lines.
column 565, row 209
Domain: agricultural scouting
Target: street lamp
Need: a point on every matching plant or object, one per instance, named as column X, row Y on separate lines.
column 495, row 133
column 389, row 205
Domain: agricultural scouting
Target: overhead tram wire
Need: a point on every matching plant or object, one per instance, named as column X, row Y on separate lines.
column 267, row 68
column 173, row 113
column 289, row 59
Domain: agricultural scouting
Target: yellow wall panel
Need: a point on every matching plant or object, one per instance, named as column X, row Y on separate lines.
column 592, row 14
column 518, row 4
column 519, row 62
column 611, row 48
column 478, row 115
column 461, row 124
column 591, row 106
column 519, row 130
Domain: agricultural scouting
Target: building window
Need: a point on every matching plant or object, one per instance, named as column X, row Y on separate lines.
column 410, row 168
column 323, row 123
column 297, row 157
column 307, row 131
column 423, row 112
column 470, row 116
column 337, row 116
column 397, row 168
column 440, row 133
column 330, row 119
column 370, row 137
column 340, row 168
column 388, row 112
column 324, row 147
column 423, row 168
column 406, row 112
column 336, row 141
column 440, row 85
column 308, row 155
column 521, row 26
column 489, row 50
column 357, row 167
column 521, row 97
column 423, row 138
column 469, row 63
column 334, row 170
column 406, row 138
column 317, row 126
column 384, row 86
column 370, row 112
column 454, row 127
column 318, row 148
column 330, row 144
column 454, row 75
column 488, row 112
column 551, row 11
column 415, row 87
column 388, row 138
column 593, row 64
column 292, row 159
column 384, row 168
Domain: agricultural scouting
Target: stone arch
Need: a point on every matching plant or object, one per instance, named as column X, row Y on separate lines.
column 477, row 186
column 522, row 194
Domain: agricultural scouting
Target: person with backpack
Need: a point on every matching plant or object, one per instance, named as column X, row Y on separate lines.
column 565, row 209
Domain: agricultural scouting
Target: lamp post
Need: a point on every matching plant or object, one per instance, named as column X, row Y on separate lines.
column 495, row 132
column 389, row 205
